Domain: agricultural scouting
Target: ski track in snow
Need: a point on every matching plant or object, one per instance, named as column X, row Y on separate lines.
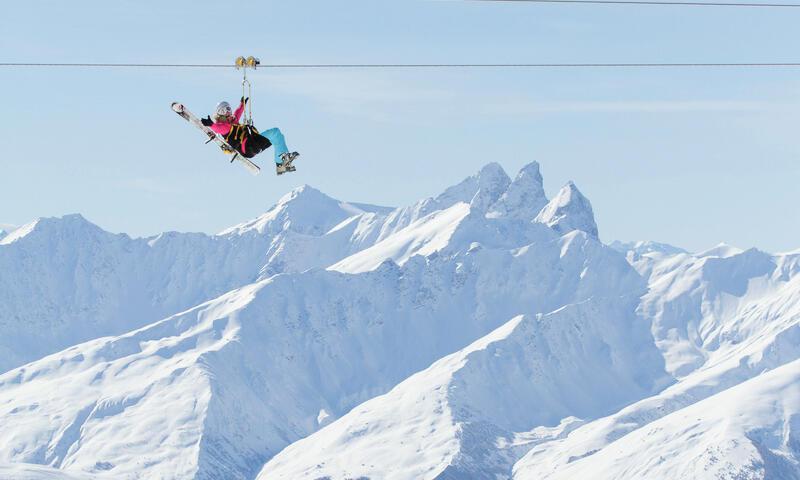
column 482, row 333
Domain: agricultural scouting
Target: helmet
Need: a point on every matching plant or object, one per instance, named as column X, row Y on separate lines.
column 223, row 110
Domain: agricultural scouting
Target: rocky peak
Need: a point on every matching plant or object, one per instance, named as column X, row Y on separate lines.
column 569, row 210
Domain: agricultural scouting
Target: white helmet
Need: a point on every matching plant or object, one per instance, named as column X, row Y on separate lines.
column 223, row 110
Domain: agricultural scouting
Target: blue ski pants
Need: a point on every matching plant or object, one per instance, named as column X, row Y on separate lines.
column 275, row 136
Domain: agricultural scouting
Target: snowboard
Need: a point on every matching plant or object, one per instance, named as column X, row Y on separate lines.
column 214, row 137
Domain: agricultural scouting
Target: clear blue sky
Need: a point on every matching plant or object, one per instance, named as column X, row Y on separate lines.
column 690, row 157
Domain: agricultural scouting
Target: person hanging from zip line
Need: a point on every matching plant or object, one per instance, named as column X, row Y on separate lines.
column 246, row 139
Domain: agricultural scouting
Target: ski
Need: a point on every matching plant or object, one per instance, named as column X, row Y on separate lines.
column 181, row 110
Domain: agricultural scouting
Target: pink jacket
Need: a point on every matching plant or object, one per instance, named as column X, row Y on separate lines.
column 224, row 128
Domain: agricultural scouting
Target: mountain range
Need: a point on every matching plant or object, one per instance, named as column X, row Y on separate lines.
column 486, row 332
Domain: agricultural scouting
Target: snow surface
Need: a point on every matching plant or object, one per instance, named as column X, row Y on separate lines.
column 448, row 421
column 22, row 471
column 751, row 430
column 482, row 333
column 756, row 333
column 423, row 237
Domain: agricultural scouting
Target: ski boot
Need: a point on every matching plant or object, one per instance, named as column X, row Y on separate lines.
column 289, row 157
column 286, row 163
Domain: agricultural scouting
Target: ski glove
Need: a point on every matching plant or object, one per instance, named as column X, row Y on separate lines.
column 207, row 121
column 245, row 100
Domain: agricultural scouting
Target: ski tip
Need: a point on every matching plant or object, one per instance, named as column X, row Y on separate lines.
column 177, row 107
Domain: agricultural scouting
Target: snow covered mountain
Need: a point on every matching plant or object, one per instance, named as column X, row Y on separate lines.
column 747, row 431
column 448, row 421
column 482, row 333
column 90, row 283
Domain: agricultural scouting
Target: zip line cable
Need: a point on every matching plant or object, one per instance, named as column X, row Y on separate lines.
column 421, row 65
column 652, row 2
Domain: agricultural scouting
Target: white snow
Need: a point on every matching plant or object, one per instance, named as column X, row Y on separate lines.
column 750, row 431
column 755, row 333
column 235, row 380
column 22, row 471
column 423, row 237
column 482, row 333
column 449, row 420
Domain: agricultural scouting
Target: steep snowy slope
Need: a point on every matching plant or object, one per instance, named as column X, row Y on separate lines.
column 223, row 387
column 696, row 302
column 480, row 190
column 750, row 431
column 450, row 420
column 757, row 331
column 425, row 236
column 419, row 430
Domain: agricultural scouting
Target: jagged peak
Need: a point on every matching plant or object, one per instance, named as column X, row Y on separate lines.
column 487, row 179
column 569, row 210
column 492, row 169
column 492, row 175
column 524, row 197
column 532, row 169
column 492, row 182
